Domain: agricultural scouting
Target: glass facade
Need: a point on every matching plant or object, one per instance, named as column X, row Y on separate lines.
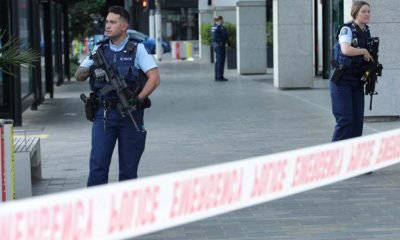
column 26, row 82
column 337, row 18
column 3, row 24
column 1, row 85
column 180, row 24
column 53, row 39
column 42, row 48
column 328, row 19
column 29, row 21
column 179, row 20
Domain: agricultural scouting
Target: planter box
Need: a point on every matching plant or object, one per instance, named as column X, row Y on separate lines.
column 270, row 57
column 211, row 54
column 231, row 58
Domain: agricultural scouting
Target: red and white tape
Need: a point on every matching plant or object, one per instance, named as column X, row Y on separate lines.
column 133, row 208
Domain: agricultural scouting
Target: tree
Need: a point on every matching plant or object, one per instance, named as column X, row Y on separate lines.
column 12, row 54
column 85, row 16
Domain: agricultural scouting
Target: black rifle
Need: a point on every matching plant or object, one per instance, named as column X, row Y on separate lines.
column 127, row 99
column 373, row 69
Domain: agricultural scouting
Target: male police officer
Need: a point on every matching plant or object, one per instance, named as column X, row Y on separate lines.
column 127, row 58
column 220, row 39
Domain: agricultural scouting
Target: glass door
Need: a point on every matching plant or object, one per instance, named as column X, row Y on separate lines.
column 332, row 20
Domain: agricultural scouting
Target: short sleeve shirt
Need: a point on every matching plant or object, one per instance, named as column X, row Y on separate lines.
column 345, row 35
column 143, row 59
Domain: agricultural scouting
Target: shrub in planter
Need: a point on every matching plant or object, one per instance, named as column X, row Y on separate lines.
column 231, row 50
column 231, row 29
column 205, row 33
column 269, row 40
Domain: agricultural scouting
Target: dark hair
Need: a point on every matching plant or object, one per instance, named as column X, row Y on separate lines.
column 356, row 8
column 218, row 18
column 120, row 11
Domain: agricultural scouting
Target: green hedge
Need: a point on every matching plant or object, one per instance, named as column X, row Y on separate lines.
column 269, row 33
column 205, row 32
column 231, row 29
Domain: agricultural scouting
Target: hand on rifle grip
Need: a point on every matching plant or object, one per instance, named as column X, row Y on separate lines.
column 367, row 56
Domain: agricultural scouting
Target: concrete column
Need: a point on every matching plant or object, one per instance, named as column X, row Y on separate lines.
column 228, row 12
column 225, row 8
column 385, row 24
column 293, row 43
column 152, row 23
column 347, row 11
column 251, row 37
column 205, row 16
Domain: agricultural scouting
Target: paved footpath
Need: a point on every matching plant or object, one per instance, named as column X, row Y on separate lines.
column 196, row 121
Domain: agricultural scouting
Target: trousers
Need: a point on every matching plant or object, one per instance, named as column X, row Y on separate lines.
column 106, row 130
column 347, row 97
column 220, row 53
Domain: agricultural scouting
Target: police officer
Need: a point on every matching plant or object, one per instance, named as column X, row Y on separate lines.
column 127, row 58
column 347, row 92
column 219, row 39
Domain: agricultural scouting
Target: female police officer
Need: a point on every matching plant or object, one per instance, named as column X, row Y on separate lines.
column 347, row 92
column 126, row 57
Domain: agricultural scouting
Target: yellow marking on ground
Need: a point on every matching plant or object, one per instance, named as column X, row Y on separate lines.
column 42, row 136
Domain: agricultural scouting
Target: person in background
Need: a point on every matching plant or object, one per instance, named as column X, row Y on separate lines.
column 219, row 40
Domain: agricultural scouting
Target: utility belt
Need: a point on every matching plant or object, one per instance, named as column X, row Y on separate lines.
column 342, row 70
column 219, row 42
column 112, row 103
column 108, row 104
column 92, row 105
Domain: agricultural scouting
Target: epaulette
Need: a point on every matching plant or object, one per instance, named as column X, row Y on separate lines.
column 135, row 40
column 103, row 42
column 354, row 28
column 351, row 25
column 131, row 45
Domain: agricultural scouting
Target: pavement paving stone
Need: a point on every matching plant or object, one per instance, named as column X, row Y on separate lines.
column 195, row 121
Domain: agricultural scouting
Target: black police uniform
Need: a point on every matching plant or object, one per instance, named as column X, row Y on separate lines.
column 347, row 93
column 109, row 125
column 219, row 38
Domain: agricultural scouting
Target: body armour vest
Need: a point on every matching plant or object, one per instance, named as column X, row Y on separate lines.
column 353, row 64
column 218, row 33
column 123, row 63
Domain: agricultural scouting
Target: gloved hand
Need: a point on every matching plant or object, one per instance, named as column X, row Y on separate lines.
column 146, row 103
column 140, row 103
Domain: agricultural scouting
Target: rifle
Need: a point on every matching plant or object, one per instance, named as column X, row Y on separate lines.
column 127, row 98
column 374, row 69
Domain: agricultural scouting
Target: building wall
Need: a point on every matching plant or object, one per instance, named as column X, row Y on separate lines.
column 385, row 24
column 225, row 8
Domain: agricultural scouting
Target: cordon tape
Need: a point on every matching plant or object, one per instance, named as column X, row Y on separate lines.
column 132, row 208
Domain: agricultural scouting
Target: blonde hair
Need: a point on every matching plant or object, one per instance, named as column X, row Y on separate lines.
column 356, row 8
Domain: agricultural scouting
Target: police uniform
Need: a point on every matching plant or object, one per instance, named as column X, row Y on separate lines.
column 219, row 38
column 127, row 59
column 347, row 94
